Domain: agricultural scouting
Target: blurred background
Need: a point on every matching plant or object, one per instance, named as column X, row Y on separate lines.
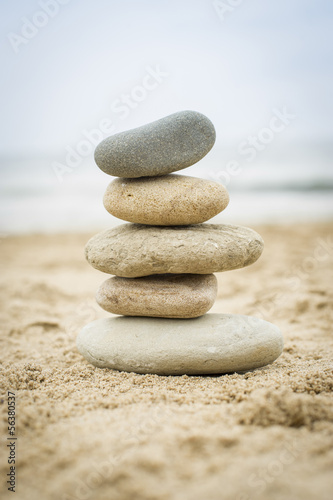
column 77, row 71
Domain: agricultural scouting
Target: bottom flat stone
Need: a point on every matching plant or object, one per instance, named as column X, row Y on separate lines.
column 213, row 343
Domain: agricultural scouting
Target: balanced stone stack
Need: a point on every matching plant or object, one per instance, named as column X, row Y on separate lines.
column 164, row 257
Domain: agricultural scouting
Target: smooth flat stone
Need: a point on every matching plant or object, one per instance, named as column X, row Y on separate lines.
column 162, row 296
column 213, row 343
column 168, row 200
column 133, row 250
column 161, row 147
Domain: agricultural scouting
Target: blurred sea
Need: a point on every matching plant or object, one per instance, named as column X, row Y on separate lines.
column 34, row 200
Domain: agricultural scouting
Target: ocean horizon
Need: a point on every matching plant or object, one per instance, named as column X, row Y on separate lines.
column 34, row 199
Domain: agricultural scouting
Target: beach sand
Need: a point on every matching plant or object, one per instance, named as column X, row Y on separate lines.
column 86, row 433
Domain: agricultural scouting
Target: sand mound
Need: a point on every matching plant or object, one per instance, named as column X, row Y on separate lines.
column 85, row 433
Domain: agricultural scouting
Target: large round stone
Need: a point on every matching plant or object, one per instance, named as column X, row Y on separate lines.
column 172, row 143
column 133, row 250
column 162, row 296
column 167, row 200
column 213, row 343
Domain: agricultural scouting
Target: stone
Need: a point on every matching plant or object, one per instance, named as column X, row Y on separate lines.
column 161, row 296
column 168, row 200
column 213, row 343
column 134, row 250
column 161, row 147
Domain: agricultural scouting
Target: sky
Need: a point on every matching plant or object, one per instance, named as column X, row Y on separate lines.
column 233, row 60
column 77, row 71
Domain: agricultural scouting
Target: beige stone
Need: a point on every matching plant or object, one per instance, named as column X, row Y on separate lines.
column 167, row 200
column 163, row 296
column 133, row 250
column 213, row 343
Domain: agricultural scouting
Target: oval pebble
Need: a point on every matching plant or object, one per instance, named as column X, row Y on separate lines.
column 213, row 343
column 168, row 200
column 134, row 250
column 161, row 147
column 163, row 296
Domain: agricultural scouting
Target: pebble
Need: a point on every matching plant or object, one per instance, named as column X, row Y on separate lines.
column 161, row 147
column 168, row 200
column 134, row 250
column 162, row 296
column 213, row 343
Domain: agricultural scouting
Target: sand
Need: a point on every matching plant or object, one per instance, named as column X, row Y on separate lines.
column 86, row 433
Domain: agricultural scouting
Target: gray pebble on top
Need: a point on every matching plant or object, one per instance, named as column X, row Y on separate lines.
column 158, row 148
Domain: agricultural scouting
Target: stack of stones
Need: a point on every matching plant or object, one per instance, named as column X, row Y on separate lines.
column 164, row 258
